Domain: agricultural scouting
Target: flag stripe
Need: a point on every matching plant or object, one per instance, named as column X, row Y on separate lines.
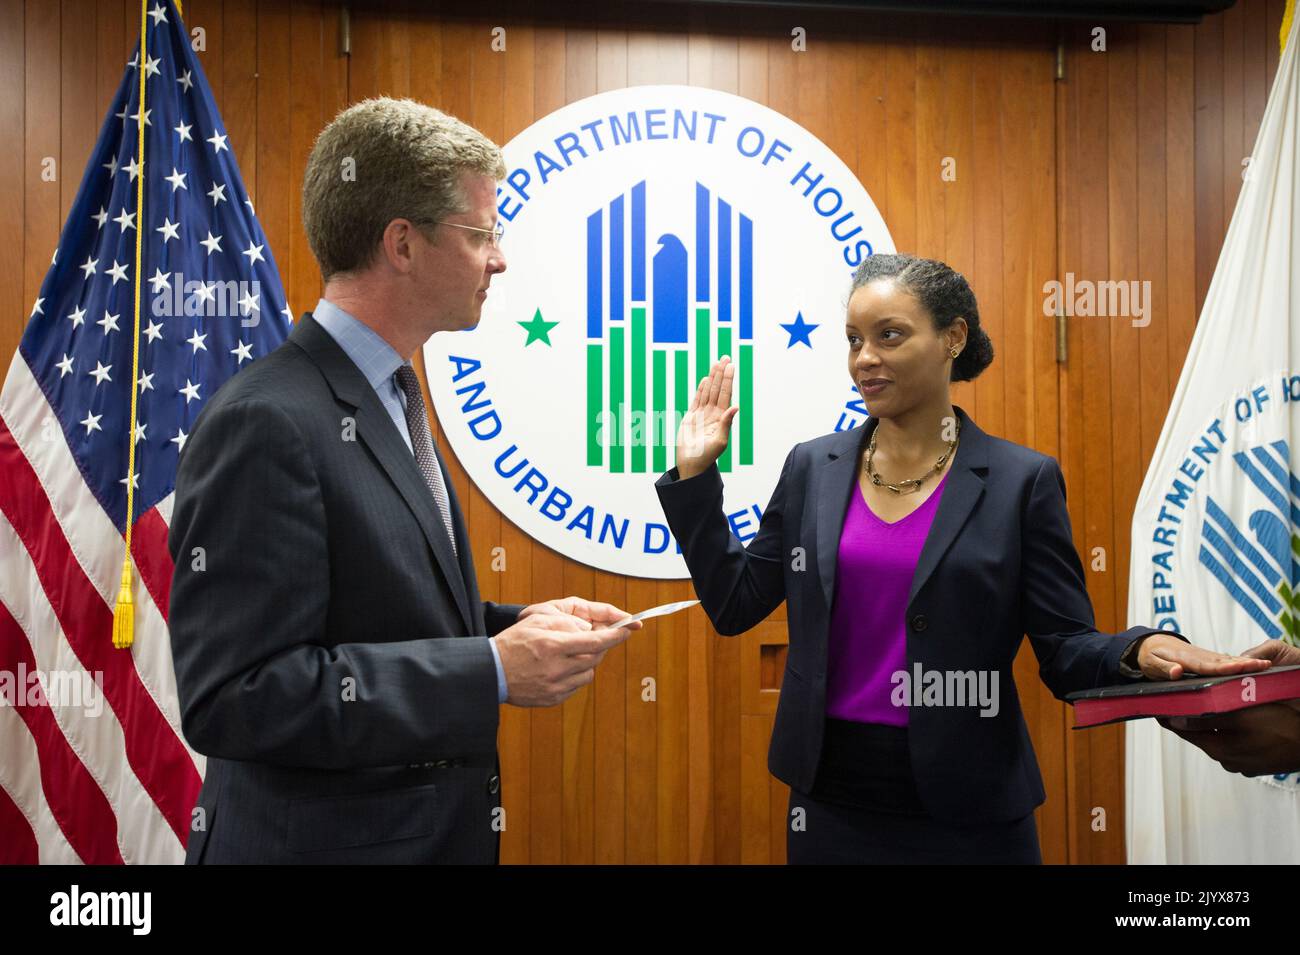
column 20, row 779
column 153, row 748
column 151, row 559
column 74, row 798
column 17, row 838
column 96, row 736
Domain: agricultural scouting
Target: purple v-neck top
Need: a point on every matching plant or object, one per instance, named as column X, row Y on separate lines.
column 868, row 637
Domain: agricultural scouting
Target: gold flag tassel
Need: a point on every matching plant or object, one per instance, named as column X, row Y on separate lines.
column 124, row 611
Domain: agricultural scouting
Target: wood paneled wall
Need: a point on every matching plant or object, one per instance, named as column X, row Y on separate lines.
column 1125, row 168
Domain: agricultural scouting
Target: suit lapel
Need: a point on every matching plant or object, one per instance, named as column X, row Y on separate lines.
column 833, row 483
column 837, row 479
column 963, row 491
column 380, row 435
column 465, row 556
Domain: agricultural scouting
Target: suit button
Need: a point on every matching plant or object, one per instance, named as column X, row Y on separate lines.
column 494, row 785
column 918, row 622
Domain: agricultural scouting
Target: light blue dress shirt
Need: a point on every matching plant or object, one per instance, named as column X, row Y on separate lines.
column 378, row 361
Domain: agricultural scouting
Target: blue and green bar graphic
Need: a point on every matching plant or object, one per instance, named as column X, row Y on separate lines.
column 633, row 410
column 1259, row 564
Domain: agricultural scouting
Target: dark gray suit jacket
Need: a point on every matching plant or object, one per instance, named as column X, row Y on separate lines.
column 331, row 651
column 999, row 563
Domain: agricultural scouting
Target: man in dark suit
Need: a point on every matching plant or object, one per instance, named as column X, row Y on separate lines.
column 334, row 660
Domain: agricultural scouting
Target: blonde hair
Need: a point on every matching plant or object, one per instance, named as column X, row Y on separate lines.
column 384, row 159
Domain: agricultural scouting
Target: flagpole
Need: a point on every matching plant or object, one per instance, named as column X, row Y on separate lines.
column 124, row 612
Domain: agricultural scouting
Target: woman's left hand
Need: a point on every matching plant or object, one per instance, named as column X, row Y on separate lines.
column 1167, row 658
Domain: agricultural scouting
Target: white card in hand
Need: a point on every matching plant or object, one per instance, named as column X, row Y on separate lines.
column 656, row 612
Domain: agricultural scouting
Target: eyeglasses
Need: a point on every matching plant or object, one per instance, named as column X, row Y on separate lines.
column 494, row 234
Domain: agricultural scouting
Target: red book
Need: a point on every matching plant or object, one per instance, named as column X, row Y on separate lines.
column 1190, row 696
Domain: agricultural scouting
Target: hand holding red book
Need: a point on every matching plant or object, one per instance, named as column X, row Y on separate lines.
column 1259, row 740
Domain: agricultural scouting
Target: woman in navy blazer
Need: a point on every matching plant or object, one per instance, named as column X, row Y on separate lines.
column 957, row 781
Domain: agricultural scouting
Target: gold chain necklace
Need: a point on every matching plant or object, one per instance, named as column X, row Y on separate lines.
column 915, row 483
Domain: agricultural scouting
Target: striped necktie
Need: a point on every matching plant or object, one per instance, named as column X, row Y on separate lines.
column 417, row 423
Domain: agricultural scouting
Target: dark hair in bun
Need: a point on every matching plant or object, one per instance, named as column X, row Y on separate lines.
column 944, row 293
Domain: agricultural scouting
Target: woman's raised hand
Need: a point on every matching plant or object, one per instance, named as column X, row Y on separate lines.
column 704, row 432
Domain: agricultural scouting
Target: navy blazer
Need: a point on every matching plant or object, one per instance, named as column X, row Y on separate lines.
column 330, row 647
column 999, row 563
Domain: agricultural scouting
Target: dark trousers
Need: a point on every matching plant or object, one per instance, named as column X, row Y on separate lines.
column 864, row 809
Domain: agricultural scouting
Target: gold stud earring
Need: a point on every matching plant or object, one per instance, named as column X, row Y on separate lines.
column 953, row 353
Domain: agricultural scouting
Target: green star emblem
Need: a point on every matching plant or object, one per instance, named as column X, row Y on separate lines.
column 538, row 330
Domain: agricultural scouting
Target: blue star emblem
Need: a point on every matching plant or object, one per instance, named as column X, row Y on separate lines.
column 799, row 331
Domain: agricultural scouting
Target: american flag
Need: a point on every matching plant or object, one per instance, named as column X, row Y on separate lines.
column 93, row 767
